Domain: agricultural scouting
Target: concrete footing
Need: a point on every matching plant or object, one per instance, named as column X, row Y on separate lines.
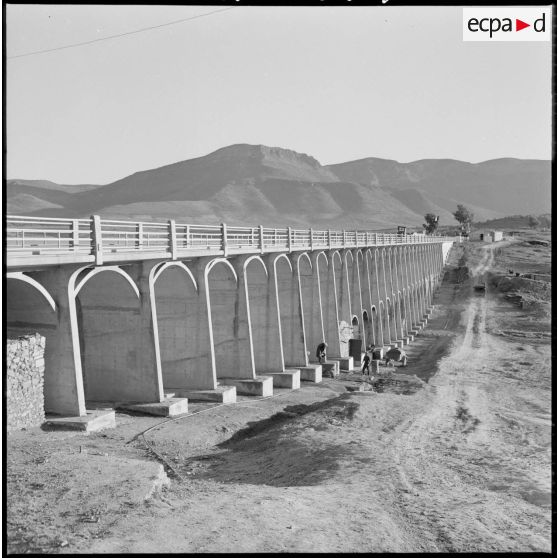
column 311, row 373
column 287, row 379
column 170, row 407
column 345, row 363
column 221, row 394
column 374, row 367
column 93, row 421
column 260, row 385
column 330, row 369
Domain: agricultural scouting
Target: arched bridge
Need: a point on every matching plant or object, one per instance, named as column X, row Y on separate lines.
column 134, row 310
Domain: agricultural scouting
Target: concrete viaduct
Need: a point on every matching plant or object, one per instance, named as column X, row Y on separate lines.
column 137, row 312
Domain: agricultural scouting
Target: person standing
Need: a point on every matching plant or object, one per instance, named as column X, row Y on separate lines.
column 366, row 364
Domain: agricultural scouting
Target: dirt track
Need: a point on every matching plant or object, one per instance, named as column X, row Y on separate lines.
column 473, row 446
column 461, row 463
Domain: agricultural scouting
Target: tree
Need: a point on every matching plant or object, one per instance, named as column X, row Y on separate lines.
column 533, row 222
column 431, row 223
column 465, row 217
column 544, row 221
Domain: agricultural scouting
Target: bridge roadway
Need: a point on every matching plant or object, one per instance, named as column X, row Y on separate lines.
column 134, row 310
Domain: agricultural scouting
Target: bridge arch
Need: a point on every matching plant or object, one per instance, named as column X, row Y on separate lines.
column 20, row 276
column 400, row 315
column 289, row 312
column 176, row 306
column 259, row 302
column 355, row 322
column 368, row 327
column 31, row 309
column 328, row 300
column 391, row 303
column 376, row 338
column 384, row 322
column 405, row 316
column 309, row 302
column 229, row 326
column 88, row 273
column 415, row 302
column 358, row 298
column 158, row 269
column 113, row 337
column 345, row 289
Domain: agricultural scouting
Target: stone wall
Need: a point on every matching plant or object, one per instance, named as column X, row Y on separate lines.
column 25, row 381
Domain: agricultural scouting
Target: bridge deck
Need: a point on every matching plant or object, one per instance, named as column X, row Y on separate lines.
column 38, row 241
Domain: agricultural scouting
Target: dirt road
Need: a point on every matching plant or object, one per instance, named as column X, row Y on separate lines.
column 477, row 443
column 460, row 462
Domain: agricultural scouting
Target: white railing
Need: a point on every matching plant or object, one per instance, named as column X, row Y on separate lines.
column 43, row 235
column 109, row 239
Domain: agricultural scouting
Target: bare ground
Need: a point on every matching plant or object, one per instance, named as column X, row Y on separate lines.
column 451, row 453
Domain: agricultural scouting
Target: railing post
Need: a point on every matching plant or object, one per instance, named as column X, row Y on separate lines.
column 344, row 238
column 261, row 239
column 139, row 232
column 224, row 239
column 311, row 239
column 97, row 239
column 289, row 239
column 75, row 234
column 329, row 238
column 356, row 239
column 187, row 239
column 172, row 238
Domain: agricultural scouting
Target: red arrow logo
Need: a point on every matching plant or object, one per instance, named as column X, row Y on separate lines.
column 519, row 25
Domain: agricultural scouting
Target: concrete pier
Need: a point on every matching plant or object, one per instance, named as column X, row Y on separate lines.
column 311, row 373
column 330, row 369
column 171, row 407
column 286, row 379
column 221, row 394
column 261, row 385
column 345, row 363
column 92, row 421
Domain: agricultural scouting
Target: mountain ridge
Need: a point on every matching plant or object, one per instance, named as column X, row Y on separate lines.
column 247, row 184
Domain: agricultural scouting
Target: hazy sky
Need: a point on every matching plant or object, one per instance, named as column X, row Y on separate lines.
column 337, row 83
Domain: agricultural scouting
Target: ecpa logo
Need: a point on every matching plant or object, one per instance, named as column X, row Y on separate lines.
column 507, row 24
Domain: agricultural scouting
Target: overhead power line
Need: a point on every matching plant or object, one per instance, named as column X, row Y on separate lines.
column 73, row 45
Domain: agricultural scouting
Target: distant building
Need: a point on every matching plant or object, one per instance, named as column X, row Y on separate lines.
column 490, row 236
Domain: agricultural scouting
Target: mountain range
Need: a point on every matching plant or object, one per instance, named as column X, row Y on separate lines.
column 254, row 184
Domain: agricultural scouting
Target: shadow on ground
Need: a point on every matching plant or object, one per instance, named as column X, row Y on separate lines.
column 272, row 452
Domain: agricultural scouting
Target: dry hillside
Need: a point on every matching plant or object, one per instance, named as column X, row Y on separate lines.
column 253, row 184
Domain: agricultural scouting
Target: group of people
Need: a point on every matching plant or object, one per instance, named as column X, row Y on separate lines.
column 393, row 355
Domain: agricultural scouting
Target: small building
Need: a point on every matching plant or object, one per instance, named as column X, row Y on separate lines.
column 490, row 236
